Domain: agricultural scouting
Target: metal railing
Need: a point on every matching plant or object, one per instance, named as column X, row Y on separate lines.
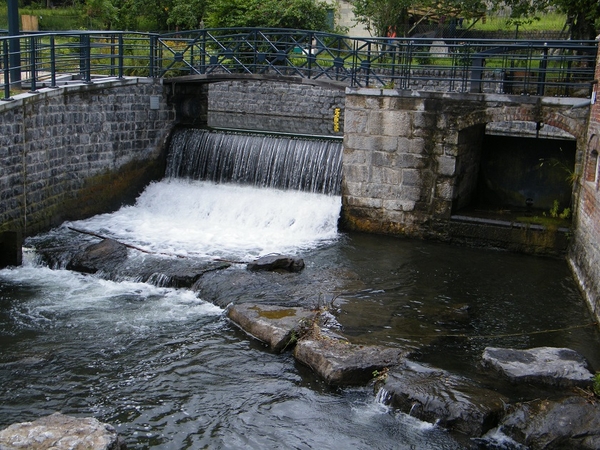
column 556, row 68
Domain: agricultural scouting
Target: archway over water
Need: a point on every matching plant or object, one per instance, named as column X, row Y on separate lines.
column 515, row 169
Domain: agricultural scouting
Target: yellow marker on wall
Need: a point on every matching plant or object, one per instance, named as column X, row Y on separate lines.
column 336, row 119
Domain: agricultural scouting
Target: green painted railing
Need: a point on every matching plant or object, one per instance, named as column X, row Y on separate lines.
column 556, row 68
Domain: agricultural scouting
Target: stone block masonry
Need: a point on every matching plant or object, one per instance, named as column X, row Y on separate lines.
column 411, row 159
column 276, row 106
column 79, row 150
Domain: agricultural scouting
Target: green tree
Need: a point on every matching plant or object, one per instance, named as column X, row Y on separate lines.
column 380, row 15
column 186, row 14
column 296, row 14
column 102, row 10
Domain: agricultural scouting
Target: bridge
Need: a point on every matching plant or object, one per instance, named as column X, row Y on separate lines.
column 541, row 68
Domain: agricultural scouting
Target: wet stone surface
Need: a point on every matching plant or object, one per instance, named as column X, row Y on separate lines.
column 544, row 365
column 61, row 432
column 438, row 396
column 277, row 327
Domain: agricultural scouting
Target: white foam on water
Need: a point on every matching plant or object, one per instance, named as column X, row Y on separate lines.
column 201, row 218
column 65, row 298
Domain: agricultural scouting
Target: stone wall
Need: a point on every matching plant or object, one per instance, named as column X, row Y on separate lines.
column 584, row 255
column 79, row 150
column 300, row 108
column 411, row 159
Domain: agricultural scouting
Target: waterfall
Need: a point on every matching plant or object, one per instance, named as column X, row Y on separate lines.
column 274, row 161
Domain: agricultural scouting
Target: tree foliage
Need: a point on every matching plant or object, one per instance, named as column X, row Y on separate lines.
column 297, row 14
column 583, row 16
column 190, row 14
column 379, row 15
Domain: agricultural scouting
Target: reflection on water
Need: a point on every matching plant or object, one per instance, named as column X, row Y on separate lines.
column 452, row 302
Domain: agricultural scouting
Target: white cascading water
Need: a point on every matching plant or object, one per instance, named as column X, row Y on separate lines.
column 204, row 219
column 185, row 216
column 283, row 162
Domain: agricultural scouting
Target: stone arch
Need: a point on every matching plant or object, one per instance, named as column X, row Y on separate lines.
column 494, row 125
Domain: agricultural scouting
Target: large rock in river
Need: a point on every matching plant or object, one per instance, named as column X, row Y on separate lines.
column 60, row 432
column 339, row 362
column 571, row 423
column 277, row 262
column 436, row 396
column 98, row 257
column 543, row 365
column 277, row 326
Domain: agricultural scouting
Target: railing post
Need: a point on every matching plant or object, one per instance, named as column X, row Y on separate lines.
column 203, row 51
column 113, row 56
column 14, row 43
column 368, row 70
column 311, row 54
column 541, row 87
column 52, row 63
column 32, row 59
column 121, row 55
column 6, row 65
column 84, row 58
column 152, row 56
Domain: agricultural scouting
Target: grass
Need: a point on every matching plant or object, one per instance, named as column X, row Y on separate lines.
column 546, row 22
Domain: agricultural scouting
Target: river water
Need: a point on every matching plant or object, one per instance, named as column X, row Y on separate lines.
column 168, row 370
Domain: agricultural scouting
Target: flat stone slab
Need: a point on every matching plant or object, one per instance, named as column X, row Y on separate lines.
column 551, row 366
column 276, row 326
column 437, row 396
column 60, row 432
column 340, row 363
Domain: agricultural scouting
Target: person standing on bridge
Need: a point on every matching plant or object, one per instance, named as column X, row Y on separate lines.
column 391, row 35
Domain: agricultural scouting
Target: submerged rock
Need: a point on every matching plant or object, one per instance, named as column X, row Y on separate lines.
column 98, row 257
column 60, row 432
column 436, row 396
column 544, row 365
column 339, row 362
column 277, row 262
column 277, row 326
column 573, row 422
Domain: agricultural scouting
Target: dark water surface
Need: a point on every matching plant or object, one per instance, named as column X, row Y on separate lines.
column 169, row 371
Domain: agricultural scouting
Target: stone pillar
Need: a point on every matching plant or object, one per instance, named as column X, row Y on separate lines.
column 399, row 163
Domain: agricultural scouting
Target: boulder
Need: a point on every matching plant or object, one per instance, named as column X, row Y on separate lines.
column 60, row 432
column 98, row 257
column 572, row 422
column 339, row 362
column 436, row 396
column 277, row 262
column 177, row 273
column 277, row 326
column 559, row 367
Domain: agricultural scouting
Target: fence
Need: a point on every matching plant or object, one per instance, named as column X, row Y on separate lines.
column 553, row 67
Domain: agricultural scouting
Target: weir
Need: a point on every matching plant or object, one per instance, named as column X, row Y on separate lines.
column 260, row 160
